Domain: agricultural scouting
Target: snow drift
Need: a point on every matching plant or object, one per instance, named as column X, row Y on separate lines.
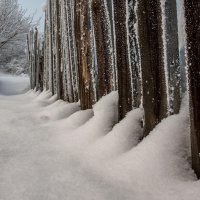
column 51, row 150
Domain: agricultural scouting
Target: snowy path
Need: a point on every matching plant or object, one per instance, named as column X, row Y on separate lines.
column 10, row 85
column 50, row 150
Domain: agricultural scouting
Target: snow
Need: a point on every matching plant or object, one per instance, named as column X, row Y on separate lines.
column 11, row 85
column 87, row 155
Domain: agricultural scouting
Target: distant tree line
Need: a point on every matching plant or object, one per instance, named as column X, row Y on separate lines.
column 14, row 25
column 94, row 47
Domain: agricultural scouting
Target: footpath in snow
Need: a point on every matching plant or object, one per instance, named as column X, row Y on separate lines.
column 50, row 150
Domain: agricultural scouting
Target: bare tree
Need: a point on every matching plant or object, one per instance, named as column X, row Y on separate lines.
column 13, row 22
column 14, row 25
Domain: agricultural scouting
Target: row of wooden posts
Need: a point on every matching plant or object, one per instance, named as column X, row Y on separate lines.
column 93, row 47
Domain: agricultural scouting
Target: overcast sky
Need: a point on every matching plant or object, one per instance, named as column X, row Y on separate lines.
column 33, row 6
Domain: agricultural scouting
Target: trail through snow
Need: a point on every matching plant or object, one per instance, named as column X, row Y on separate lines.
column 50, row 150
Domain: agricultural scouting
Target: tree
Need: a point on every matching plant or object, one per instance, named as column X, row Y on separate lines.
column 12, row 21
column 192, row 10
column 13, row 27
column 152, row 63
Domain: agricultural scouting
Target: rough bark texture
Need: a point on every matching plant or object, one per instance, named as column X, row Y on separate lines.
column 35, row 58
column 112, row 24
column 65, row 64
column 124, row 81
column 41, row 68
column 152, row 64
column 50, row 20
column 69, row 60
column 82, row 34
column 71, row 48
column 58, row 51
column 133, row 48
column 104, row 58
column 46, row 50
column 192, row 10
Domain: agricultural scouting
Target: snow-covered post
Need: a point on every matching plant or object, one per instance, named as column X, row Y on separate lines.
column 133, row 52
column 54, row 50
column 36, row 60
column 124, row 73
column 192, row 10
column 152, row 63
column 104, row 51
column 82, row 35
column 113, row 42
column 66, row 53
column 36, row 57
column 71, row 49
column 41, row 67
column 51, row 81
column 46, row 51
column 63, row 35
column 58, row 50
column 170, row 35
column 29, row 56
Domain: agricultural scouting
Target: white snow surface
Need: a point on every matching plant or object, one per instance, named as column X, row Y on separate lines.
column 51, row 150
column 12, row 85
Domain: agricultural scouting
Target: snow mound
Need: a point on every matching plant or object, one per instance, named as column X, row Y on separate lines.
column 87, row 155
column 124, row 136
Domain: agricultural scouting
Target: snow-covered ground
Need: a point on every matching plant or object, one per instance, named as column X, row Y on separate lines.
column 12, row 85
column 50, row 150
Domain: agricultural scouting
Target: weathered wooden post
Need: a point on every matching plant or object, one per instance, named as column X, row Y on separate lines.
column 152, row 63
column 170, row 25
column 192, row 14
column 124, row 73
column 105, row 57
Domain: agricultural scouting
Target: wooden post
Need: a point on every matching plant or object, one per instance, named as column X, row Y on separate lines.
column 103, row 39
column 124, row 74
column 172, row 55
column 152, row 63
column 192, row 14
column 81, row 33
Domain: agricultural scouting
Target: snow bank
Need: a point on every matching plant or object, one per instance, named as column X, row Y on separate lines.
column 59, row 110
column 158, row 167
column 51, row 150
column 124, row 136
column 103, row 119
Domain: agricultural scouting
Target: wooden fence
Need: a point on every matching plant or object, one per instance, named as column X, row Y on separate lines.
column 93, row 47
